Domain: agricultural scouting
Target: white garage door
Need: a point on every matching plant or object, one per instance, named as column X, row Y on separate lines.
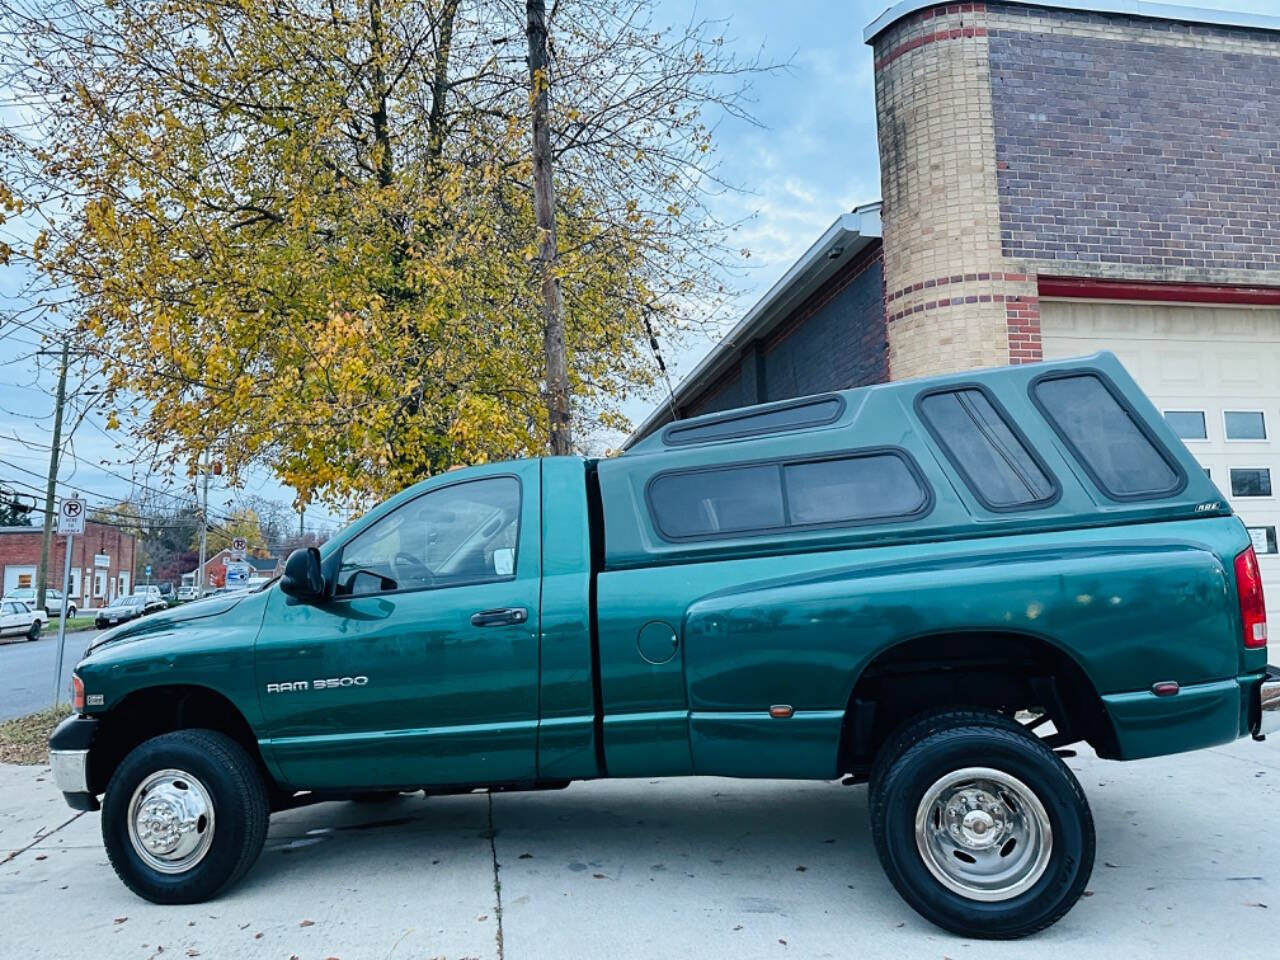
column 1215, row 372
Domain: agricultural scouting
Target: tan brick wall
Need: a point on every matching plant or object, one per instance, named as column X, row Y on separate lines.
column 944, row 276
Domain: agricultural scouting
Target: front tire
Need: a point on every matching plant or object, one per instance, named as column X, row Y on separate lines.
column 980, row 827
column 33, row 631
column 185, row 816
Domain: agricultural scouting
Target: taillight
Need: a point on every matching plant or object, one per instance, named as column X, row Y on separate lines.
column 1253, row 611
column 77, row 693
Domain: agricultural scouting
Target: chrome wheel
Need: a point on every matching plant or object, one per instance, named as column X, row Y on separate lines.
column 171, row 821
column 983, row 834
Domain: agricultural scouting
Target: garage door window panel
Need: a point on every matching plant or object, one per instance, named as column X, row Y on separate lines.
column 1264, row 540
column 1187, row 424
column 1250, row 482
column 1244, row 425
column 995, row 460
column 1121, row 455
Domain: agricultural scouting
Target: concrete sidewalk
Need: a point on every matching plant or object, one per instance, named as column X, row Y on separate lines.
column 1188, row 866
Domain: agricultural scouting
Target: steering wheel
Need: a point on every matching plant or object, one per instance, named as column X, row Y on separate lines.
column 406, row 566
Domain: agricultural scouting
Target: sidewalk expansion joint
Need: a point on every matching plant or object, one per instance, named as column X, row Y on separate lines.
column 497, row 881
column 13, row 854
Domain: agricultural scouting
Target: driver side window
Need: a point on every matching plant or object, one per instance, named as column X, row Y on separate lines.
column 464, row 533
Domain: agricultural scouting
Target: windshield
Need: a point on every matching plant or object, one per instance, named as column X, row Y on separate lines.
column 125, row 601
column 22, row 593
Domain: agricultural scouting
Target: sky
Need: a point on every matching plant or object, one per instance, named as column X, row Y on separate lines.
column 812, row 157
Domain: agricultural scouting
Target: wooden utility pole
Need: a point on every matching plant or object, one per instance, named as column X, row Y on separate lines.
column 544, row 208
column 50, row 489
column 202, row 579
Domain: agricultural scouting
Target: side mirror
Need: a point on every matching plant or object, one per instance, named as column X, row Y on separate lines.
column 302, row 578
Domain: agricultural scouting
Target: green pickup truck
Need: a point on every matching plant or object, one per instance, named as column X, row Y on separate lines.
column 933, row 586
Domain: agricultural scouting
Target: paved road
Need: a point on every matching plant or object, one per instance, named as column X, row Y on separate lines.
column 1188, row 867
column 26, row 670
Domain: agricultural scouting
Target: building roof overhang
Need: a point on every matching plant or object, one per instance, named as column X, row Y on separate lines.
column 840, row 244
column 1133, row 8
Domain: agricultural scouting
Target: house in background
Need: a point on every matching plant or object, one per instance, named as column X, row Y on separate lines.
column 216, row 567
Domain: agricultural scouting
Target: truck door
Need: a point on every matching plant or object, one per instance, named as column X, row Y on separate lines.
column 422, row 668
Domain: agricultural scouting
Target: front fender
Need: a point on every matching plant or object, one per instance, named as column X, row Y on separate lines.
column 213, row 650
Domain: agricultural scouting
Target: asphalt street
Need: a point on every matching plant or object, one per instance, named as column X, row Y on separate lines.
column 1188, row 866
column 26, row 670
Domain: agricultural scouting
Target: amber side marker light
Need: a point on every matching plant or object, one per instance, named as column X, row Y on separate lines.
column 1253, row 609
column 781, row 711
column 77, row 694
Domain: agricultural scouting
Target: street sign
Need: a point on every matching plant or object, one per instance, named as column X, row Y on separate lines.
column 70, row 523
column 238, row 547
column 147, row 571
column 238, row 576
column 71, row 516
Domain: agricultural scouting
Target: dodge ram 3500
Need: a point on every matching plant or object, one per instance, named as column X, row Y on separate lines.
column 933, row 586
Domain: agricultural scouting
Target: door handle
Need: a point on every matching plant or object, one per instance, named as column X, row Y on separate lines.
column 499, row 616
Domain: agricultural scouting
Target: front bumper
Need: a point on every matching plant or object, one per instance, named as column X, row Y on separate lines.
column 69, row 757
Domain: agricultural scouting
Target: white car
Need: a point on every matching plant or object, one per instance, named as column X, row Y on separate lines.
column 52, row 600
column 17, row 619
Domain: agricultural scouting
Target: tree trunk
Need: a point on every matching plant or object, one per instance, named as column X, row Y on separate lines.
column 440, row 81
column 544, row 205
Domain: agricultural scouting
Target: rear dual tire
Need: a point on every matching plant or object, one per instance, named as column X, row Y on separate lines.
column 979, row 826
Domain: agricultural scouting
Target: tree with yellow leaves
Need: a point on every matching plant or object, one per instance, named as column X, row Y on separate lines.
column 303, row 232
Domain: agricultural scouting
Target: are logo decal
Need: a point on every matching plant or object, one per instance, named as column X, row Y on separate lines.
column 329, row 683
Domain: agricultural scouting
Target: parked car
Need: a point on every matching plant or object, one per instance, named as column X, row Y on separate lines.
column 120, row 610
column 52, row 600
column 151, row 597
column 19, row 619
column 186, row 593
column 930, row 586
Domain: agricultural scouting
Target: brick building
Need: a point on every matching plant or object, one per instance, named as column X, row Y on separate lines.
column 102, row 562
column 1056, row 178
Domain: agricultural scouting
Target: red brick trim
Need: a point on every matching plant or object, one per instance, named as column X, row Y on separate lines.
column 1022, row 319
column 948, row 302
column 952, row 33
column 954, row 278
column 1090, row 288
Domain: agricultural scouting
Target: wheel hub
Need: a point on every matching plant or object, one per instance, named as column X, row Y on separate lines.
column 171, row 821
column 983, row 833
column 976, row 820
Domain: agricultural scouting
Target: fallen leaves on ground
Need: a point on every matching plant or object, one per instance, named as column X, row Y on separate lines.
column 26, row 739
column 307, row 923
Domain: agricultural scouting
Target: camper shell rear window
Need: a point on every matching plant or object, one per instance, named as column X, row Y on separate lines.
column 1120, row 453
